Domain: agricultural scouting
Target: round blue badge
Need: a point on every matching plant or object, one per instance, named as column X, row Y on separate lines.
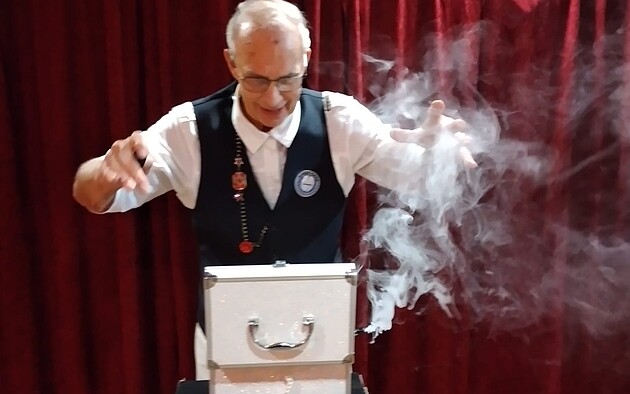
column 307, row 183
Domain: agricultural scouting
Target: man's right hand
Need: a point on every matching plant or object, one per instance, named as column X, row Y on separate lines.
column 97, row 180
column 121, row 165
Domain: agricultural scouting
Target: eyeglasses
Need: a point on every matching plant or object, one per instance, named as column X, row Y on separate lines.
column 261, row 84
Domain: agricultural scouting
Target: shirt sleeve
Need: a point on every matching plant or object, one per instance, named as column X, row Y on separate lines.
column 361, row 144
column 174, row 161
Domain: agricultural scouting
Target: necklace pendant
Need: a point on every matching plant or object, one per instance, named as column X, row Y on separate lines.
column 239, row 181
column 246, row 247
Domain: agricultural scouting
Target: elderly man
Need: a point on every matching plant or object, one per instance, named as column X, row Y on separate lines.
column 264, row 165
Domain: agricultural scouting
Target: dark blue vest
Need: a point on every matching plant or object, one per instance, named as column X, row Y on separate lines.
column 300, row 229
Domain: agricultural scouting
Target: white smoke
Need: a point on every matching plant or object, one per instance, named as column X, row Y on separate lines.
column 485, row 231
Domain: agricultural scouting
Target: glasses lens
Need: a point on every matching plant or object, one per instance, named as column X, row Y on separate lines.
column 259, row 84
column 255, row 84
column 289, row 83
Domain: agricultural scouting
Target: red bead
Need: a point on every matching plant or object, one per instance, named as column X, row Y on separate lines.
column 246, row 247
column 239, row 181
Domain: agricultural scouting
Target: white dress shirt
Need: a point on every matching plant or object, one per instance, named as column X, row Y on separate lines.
column 359, row 144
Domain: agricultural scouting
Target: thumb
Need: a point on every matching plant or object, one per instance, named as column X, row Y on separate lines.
column 417, row 136
column 138, row 146
column 401, row 135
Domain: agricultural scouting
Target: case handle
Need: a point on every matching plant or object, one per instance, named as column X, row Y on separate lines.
column 308, row 321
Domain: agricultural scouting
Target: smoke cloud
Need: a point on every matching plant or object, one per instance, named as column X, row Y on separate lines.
column 530, row 232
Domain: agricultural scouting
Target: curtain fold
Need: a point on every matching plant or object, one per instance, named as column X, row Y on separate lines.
column 106, row 303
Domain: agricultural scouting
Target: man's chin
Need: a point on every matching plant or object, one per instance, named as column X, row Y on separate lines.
column 273, row 121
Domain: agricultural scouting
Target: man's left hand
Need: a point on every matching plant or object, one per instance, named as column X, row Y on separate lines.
column 435, row 124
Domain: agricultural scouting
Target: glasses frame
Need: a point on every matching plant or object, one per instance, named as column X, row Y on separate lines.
column 283, row 84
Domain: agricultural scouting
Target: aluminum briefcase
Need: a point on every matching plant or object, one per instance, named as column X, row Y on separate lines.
column 281, row 328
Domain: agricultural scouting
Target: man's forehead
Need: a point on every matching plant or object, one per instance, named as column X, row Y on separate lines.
column 284, row 35
column 256, row 58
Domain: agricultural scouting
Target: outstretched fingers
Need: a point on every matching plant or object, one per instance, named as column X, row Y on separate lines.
column 434, row 114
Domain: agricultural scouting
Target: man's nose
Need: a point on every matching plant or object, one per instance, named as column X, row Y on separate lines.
column 272, row 94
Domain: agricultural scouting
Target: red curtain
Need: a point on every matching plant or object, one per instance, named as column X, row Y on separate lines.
column 105, row 304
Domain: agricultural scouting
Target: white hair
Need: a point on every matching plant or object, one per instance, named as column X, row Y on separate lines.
column 266, row 13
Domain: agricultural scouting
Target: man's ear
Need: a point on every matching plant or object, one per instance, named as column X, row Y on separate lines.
column 307, row 58
column 229, row 61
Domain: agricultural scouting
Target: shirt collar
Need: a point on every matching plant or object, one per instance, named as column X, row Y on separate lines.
column 253, row 138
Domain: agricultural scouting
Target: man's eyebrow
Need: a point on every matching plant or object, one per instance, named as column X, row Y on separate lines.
column 254, row 75
column 249, row 74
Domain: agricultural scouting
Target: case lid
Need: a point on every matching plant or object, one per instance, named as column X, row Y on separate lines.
column 280, row 270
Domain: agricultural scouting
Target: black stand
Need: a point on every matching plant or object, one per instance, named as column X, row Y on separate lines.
column 201, row 386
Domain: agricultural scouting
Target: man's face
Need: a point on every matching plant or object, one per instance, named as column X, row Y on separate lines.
column 268, row 53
